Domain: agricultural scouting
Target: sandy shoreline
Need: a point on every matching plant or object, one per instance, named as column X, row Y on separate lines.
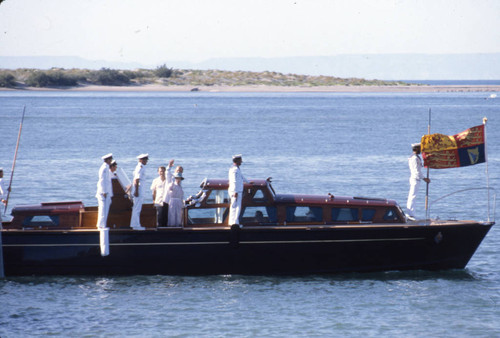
column 334, row 89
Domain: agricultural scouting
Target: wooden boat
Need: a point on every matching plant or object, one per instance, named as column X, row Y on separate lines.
column 280, row 234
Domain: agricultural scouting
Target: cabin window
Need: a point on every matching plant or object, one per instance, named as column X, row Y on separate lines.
column 261, row 215
column 344, row 214
column 304, row 214
column 207, row 216
column 391, row 215
column 367, row 215
column 41, row 221
column 259, row 197
column 218, row 197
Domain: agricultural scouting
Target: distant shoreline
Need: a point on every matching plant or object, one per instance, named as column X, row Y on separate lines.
column 271, row 89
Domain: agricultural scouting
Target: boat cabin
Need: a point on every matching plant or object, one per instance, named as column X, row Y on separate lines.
column 261, row 206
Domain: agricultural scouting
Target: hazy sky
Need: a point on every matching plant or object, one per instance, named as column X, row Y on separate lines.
column 155, row 31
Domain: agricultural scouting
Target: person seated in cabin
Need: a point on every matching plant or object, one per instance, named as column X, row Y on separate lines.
column 259, row 216
column 176, row 203
column 310, row 217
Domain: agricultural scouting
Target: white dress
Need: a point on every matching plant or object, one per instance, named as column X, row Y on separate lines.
column 175, row 204
column 170, row 179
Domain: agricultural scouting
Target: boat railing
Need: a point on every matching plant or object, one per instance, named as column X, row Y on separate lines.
column 491, row 207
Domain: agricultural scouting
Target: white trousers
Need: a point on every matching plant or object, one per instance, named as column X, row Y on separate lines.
column 135, row 220
column 103, row 204
column 412, row 196
column 235, row 209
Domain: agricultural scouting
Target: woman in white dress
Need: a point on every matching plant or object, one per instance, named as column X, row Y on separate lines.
column 176, row 202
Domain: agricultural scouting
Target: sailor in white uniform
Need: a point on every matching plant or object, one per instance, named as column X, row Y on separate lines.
column 235, row 190
column 416, row 176
column 104, row 192
column 138, row 191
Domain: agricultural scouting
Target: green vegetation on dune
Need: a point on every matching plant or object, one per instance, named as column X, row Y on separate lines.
column 58, row 77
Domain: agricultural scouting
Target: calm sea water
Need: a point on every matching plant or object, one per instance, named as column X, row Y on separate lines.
column 346, row 144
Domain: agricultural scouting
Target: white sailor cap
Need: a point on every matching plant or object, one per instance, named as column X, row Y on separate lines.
column 413, row 145
column 107, row 156
column 141, row 156
column 113, row 163
column 1, row 169
column 236, row 156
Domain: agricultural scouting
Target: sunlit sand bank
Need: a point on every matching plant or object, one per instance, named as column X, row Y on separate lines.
column 338, row 89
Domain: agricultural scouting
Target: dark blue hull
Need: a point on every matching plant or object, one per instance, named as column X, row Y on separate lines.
column 252, row 250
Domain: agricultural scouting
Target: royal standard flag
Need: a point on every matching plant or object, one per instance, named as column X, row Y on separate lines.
column 460, row 150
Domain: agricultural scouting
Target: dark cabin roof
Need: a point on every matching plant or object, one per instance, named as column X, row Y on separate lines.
column 49, row 208
column 222, row 184
column 330, row 199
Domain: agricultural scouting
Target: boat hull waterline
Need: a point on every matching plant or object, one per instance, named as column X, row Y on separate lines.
column 250, row 250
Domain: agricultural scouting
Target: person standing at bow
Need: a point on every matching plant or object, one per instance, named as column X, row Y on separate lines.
column 138, row 191
column 416, row 176
column 104, row 192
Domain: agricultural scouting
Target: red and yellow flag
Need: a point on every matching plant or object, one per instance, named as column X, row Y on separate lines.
column 463, row 149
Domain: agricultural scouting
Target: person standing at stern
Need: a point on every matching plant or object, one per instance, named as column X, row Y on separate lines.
column 416, row 176
column 138, row 191
column 104, row 191
column 235, row 190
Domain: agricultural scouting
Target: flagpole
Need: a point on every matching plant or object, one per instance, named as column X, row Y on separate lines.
column 427, row 213
column 14, row 162
column 486, row 160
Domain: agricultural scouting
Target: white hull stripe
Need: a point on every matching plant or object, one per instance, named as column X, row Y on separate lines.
column 225, row 243
column 337, row 240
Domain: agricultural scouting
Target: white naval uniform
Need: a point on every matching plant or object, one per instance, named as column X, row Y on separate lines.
column 104, row 187
column 416, row 176
column 236, row 180
column 139, row 174
column 175, row 204
column 3, row 195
